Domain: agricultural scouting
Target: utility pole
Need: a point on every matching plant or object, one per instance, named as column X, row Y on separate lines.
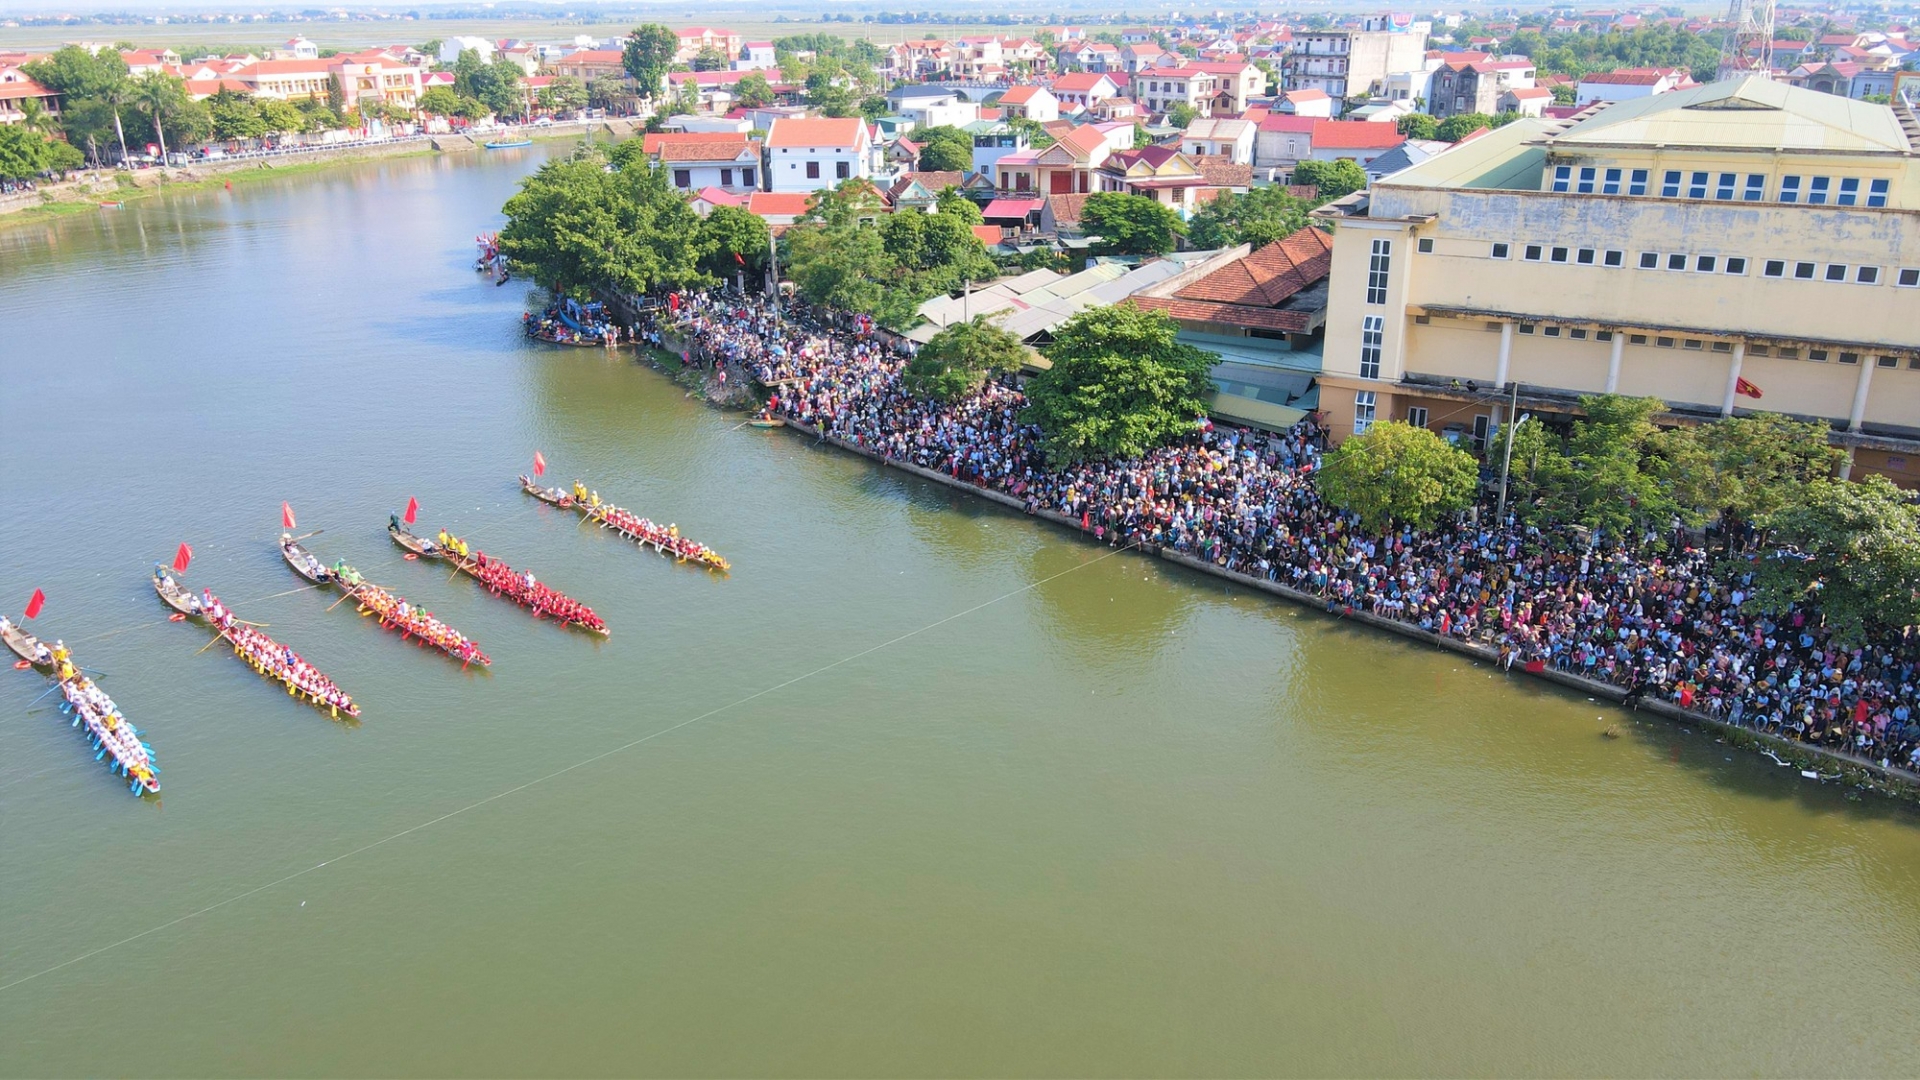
column 1514, row 421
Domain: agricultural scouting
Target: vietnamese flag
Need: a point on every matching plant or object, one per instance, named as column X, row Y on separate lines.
column 539, row 464
column 35, row 603
column 181, row 558
column 413, row 509
column 286, row 516
column 1742, row 386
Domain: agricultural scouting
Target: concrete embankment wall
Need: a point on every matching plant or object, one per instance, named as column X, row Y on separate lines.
column 1809, row 756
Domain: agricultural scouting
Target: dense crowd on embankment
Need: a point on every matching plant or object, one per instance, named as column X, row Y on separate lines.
column 1660, row 624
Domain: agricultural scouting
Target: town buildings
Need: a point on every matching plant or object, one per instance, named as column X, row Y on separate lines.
column 1736, row 246
column 1353, row 63
column 807, row 154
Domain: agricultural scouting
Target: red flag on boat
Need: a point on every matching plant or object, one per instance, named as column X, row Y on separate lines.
column 286, row 516
column 35, row 603
column 181, row 558
column 1742, row 386
column 539, row 464
column 413, row 509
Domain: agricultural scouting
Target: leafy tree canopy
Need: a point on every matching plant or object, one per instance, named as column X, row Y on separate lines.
column 1131, row 224
column 1259, row 217
column 565, row 94
column 647, row 55
column 1853, row 548
column 729, row 231
column 958, row 360
column 1333, row 179
column 753, row 91
column 575, row 225
column 1395, row 473
column 1417, row 126
column 944, row 149
column 1120, row 385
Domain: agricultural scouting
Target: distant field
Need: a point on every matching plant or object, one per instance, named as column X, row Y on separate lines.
column 361, row 34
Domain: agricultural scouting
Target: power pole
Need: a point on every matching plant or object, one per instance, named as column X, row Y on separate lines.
column 1506, row 463
column 1747, row 48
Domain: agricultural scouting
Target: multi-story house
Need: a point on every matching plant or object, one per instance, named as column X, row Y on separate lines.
column 696, row 39
column 1740, row 246
column 1083, row 89
column 1035, row 103
column 714, row 161
column 1351, row 63
column 1160, row 89
column 811, row 153
column 1476, row 86
column 1629, row 83
column 1231, row 139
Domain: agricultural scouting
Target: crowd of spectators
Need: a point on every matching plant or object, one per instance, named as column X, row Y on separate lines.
column 1653, row 614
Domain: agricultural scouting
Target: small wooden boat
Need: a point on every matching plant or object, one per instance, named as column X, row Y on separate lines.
column 175, row 595
column 552, row 496
column 418, row 545
column 25, row 645
column 303, row 561
column 507, row 144
column 766, row 422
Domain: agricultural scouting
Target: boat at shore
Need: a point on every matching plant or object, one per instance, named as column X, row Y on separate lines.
column 506, row 144
column 109, row 733
column 262, row 653
column 411, row 621
column 665, row 539
column 500, row 579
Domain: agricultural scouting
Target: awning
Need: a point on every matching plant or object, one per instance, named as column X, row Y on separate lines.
column 1011, row 208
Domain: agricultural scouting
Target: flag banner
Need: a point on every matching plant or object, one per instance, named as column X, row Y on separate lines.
column 34, row 603
column 539, row 464
column 286, row 516
column 413, row 509
column 1742, row 386
column 181, row 558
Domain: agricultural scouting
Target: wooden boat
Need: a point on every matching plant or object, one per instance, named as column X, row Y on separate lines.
column 766, row 422
column 25, row 645
column 502, row 580
column 303, row 561
column 279, row 663
column 415, row 625
column 174, row 594
column 552, row 496
column 647, row 534
column 506, row 144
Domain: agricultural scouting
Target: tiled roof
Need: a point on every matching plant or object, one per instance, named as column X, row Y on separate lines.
column 1221, row 171
column 1624, row 78
column 987, row 234
column 1355, row 135
column 593, row 56
column 1078, row 82
column 1288, row 122
column 841, row 133
column 706, row 151
column 654, row 142
column 1268, row 276
column 1020, row 95
column 1530, row 93
column 1066, row 207
column 788, row 203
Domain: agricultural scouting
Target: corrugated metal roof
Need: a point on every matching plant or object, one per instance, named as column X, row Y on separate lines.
column 1752, row 113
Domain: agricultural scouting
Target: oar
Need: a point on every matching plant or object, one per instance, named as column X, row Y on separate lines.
column 315, row 532
column 340, row 601
column 48, row 690
column 216, row 640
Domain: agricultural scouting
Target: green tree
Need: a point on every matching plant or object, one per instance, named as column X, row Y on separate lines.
column 62, row 157
column 729, row 231
column 843, row 266
column 1130, row 224
column 235, row 116
column 873, row 107
column 565, row 94
column 959, row 359
column 944, row 149
column 36, row 118
column 95, row 91
column 1610, row 475
column 1120, row 385
column 952, row 200
column 1460, row 125
column 1259, row 217
column 1333, row 179
column 23, row 154
column 1565, row 95
column 1417, row 126
column 827, row 92
column 1181, row 114
column 647, row 55
column 753, row 91
column 1746, row 468
column 710, row 59
column 1395, row 473
column 279, row 116
column 441, row 101
column 160, row 97
column 576, row 225
column 1851, row 548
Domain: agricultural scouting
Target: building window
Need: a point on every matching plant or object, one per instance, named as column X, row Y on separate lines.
column 1877, row 193
column 726, row 177
column 1736, row 265
column 842, row 170
column 1417, row 415
column 1867, row 275
column 1697, row 186
column 1849, row 191
column 1603, row 335
column 1611, row 185
column 1817, row 189
column 1676, row 262
column 1638, row 184
column 1724, row 189
column 1372, row 329
column 1585, row 256
column 1664, row 342
column 1836, row 272
column 1756, row 187
column 1850, row 358
column 1649, row 260
column 1759, row 350
column 1562, row 177
column 1525, row 328
column 1889, row 361
column 1692, row 343
column 1426, row 245
column 1585, row 186
column 1789, row 189
column 1670, row 184
column 1614, row 259
column 1723, row 346
column 1705, row 264
column 1818, row 356
column 813, row 170
column 1786, row 352
column 1558, row 255
column 1774, row 268
column 1482, row 427
column 1578, row 333
column 1377, row 269
column 1636, row 339
column 746, row 177
column 1803, row 271
column 1908, row 278
column 1550, row 331
column 1532, row 252
column 1501, row 251
column 1362, row 411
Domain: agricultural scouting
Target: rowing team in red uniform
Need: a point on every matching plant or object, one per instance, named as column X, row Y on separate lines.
column 521, row 588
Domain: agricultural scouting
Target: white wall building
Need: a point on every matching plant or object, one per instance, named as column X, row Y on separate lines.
column 811, row 153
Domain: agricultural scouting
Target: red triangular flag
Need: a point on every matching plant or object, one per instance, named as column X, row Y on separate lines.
column 181, row 558
column 539, row 464
column 413, row 509
column 739, row 259
column 286, row 516
column 34, row 605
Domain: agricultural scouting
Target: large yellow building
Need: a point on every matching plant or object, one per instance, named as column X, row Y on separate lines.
column 1701, row 246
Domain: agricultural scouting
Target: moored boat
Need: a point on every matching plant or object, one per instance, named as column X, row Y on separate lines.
column 551, row 495
column 507, row 144
column 303, row 561
column 174, row 594
column 110, row 734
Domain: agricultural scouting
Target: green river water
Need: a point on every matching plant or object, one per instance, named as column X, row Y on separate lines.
column 1095, row 816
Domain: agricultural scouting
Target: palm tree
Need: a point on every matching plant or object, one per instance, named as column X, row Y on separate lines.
column 35, row 117
column 119, row 96
column 154, row 95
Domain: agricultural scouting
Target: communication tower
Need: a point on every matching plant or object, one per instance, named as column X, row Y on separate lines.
column 1748, row 48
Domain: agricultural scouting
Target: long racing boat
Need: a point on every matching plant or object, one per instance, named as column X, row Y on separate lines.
column 261, row 653
column 110, row 734
column 665, row 539
column 500, row 579
column 414, row 623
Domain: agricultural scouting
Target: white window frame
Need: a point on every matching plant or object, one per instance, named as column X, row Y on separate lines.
column 1417, row 415
column 1373, row 331
column 1364, row 403
column 1790, row 189
column 1907, row 277
column 1638, row 180
column 1379, row 269
column 1613, row 259
column 1877, row 191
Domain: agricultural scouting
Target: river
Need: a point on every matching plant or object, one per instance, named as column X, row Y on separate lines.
column 923, row 787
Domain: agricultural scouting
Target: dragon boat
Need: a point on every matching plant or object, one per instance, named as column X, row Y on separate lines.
column 112, row 736
column 501, row 579
column 413, row 622
column 265, row 655
column 665, row 539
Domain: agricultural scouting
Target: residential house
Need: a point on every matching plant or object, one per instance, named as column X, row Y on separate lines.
column 1160, row 173
column 808, row 154
column 588, row 65
column 921, row 190
column 15, row 88
column 1527, row 101
column 1083, row 89
column 1235, row 84
column 1069, row 164
column 1844, row 78
column 993, row 140
column 1305, row 102
column 1630, row 83
column 1094, row 56
column 1117, row 110
column 1160, row 89
column 1283, row 141
column 1476, row 86
column 1351, row 63
column 756, row 56
column 1035, row 103
column 705, row 200
column 1144, row 54
column 1013, row 214
column 451, row 48
column 732, row 165
column 779, row 209
column 696, row 39
column 1355, row 140
column 1232, row 139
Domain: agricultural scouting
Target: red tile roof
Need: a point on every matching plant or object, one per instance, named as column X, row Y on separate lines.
column 1268, row 276
column 1020, row 95
column 654, row 141
column 783, row 203
column 988, row 234
column 1355, row 135
column 1287, row 122
column 1078, row 82
column 706, row 151
column 839, row 133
